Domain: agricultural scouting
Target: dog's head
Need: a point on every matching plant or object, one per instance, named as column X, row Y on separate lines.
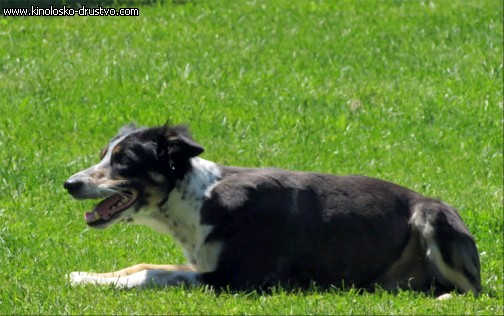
column 137, row 171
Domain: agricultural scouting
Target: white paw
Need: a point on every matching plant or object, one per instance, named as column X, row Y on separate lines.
column 76, row 278
column 79, row 278
column 443, row 297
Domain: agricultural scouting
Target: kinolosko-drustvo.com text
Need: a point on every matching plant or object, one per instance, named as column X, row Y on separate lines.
column 64, row 11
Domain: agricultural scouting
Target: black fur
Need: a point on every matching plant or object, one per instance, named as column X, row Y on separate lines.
column 305, row 227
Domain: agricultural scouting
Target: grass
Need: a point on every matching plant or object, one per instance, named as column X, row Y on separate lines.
column 407, row 91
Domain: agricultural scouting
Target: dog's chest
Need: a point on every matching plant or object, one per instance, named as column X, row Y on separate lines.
column 182, row 220
column 180, row 215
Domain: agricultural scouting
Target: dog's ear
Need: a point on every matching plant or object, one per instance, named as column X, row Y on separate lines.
column 181, row 145
column 178, row 143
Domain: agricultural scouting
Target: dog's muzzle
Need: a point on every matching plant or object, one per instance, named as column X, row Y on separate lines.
column 114, row 201
column 73, row 187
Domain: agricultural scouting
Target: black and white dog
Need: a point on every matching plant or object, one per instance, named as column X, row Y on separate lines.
column 244, row 228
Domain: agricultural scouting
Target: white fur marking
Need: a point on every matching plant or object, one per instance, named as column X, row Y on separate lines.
column 183, row 207
column 138, row 279
column 453, row 276
column 86, row 176
column 157, row 177
column 434, row 254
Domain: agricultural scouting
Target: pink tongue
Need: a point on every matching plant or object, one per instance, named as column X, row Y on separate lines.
column 91, row 216
column 103, row 209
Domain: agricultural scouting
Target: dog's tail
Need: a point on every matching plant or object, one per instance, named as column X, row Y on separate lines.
column 448, row 246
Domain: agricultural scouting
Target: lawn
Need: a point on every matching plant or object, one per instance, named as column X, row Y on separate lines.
column 406, row 91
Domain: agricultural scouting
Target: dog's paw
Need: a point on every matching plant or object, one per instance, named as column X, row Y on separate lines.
column 444, row 297
column 82, row 278
column 76, row 278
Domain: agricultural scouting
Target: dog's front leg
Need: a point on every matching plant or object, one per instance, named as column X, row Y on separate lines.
column 140, row 267
column 140, row 275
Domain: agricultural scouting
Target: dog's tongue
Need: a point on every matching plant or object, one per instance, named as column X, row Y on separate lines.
column 106, row 208
column 91, row 216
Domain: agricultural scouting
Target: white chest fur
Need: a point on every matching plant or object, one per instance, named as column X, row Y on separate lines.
column 179, row 216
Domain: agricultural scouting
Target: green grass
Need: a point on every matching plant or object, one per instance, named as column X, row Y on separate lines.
column 407, row 91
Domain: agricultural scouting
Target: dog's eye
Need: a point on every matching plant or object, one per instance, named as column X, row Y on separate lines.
column 118, row 158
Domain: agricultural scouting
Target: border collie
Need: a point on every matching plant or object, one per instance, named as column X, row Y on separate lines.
column 248, row 228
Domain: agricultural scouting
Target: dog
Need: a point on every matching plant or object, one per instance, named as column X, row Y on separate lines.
column 251, row 228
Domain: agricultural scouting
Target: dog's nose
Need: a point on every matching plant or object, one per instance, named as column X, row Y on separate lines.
column 72, row 186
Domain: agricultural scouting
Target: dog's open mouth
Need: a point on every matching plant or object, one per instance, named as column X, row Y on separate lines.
column 110, row 207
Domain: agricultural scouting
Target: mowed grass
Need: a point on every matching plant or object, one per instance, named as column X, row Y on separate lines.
column 407, row 91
